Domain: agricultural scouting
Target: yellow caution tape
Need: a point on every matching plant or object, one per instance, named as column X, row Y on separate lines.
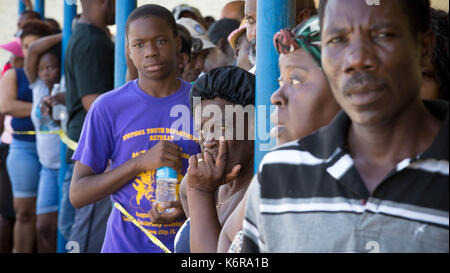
column 73, row 145
column 149, row 235
column 64, row 138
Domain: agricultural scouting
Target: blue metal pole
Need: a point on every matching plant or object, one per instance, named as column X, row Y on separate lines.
column 123, row 9
column 272, row 16
column 70, row 10
column 39, row 7
column 22, row 7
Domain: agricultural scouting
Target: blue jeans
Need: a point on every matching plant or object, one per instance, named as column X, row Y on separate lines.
column 23, row 168
column 182, row 239
column 66, row 216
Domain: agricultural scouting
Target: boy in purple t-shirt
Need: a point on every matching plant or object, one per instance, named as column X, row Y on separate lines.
column 139, row 127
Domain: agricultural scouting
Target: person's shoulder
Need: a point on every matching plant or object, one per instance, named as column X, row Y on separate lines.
column 89, row 38
column 185, row 83
column 312, row 150
column 79, row 35
column 185, row 86
column 9, row 74
column 114, row 97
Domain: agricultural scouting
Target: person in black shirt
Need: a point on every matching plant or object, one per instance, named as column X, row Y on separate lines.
column 89, row 72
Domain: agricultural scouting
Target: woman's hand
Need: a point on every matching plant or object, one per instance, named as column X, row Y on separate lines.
column 205, row 175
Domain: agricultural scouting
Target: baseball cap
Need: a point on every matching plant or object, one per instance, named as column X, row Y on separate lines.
column 233, row 37
column 201, row 40
column 178, row 10
column 14, row 47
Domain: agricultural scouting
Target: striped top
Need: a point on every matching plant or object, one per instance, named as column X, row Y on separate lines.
column 309, row 197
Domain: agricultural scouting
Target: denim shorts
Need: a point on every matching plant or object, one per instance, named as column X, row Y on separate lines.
column 47, row 198
column 23, row 168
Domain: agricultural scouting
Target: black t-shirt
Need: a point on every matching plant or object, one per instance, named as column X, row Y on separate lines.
column 89, row 69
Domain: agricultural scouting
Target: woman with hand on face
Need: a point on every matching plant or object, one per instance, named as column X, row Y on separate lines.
column 304, row 101
column 218, row 177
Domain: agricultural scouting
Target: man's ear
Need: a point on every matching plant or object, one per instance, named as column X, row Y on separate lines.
column 127, row 48
column 236, row 52
column 428, row 41
column 222, row 44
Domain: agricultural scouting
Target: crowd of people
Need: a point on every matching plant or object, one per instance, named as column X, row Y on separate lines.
column 361, row 123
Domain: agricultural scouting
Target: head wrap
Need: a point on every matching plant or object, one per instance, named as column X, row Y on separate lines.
column 305, row 36
column 230, row 83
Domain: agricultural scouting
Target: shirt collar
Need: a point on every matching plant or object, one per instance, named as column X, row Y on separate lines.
column 334, row 135
column 334, row 146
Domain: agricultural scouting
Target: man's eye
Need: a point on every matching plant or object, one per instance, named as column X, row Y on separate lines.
column 160, row 42
column 384, row 35
column 336, row 40
column 250, row 21
column 295, row 81
column 139, row 45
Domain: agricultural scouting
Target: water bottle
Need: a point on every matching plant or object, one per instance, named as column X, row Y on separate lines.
column 166, row 188
column 59, row 110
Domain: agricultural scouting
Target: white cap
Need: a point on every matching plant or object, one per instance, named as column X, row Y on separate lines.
column 197, row 31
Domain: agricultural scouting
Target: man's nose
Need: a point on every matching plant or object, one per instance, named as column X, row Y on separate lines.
column 278, row 98
column 361, row 58
column 151, row 50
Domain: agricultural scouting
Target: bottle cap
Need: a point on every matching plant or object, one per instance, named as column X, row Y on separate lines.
column 166, row 172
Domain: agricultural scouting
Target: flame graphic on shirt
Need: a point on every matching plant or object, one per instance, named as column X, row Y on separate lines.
column 143, row 186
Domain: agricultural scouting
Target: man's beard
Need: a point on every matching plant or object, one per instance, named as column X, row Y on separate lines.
column 252, row 52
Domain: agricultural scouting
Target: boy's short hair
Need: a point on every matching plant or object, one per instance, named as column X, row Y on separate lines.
column 152, row 10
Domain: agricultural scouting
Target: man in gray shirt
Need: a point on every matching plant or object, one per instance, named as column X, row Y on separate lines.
column 376, row 178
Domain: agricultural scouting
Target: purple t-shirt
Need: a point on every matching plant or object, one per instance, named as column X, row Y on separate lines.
column 119, row 126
